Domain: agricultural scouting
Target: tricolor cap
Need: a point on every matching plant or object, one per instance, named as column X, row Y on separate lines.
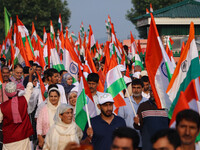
column 121, row 68
column 105, row 97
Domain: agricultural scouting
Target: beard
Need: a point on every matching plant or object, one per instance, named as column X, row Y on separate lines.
column 146, row 89
column 137, row 94
column 108, row 113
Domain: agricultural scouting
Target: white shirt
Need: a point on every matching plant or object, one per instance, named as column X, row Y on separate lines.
column 96, row 101
column 145, row 95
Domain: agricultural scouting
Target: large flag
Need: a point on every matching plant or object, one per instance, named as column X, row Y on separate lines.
column 187, row 100
column 115, row 83
column 186, row 70
column 157, row 67
column 84, row 97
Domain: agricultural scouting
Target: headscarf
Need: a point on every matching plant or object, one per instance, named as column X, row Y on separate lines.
column 60, row 110
column 51, row 108
column 67, row 87
column 71, row 92
column 26, row 80
column 11, row 91
column 62, row 128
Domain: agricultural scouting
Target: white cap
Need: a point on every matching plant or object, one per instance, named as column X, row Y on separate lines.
column 136, row 75
column 144, row 73
column 105, row 97
column 10, row 87
column 121, row 68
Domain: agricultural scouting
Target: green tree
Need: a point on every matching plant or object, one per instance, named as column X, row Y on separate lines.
column 38, row 11
column 139, row 8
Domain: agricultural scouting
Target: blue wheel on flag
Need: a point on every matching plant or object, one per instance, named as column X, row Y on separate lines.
column 73, row 68
column 164, row 70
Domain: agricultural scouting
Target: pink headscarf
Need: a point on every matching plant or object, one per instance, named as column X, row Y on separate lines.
column 11, row 91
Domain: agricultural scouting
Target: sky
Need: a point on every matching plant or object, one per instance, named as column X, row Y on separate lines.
column 95, row 12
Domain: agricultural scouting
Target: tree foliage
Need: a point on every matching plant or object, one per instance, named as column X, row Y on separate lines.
column 38, row 11
column 139, row 8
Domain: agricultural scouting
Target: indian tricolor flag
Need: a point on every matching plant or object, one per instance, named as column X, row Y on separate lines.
column 25, row 36
column 84, row 104
column 169, row 50
column 54, row 57
column 91, row 43
column 1, row 80
column 157, row 66
column 44, row 35
column 82, row 30
column 115, row 83
column 34, row 34
column 186, row 70
column 52, row 30
column 134, row 51
column 187, row 100
column 70, row 59
column 60, row 26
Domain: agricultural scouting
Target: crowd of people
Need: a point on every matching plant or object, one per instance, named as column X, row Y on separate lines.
column 29, row 122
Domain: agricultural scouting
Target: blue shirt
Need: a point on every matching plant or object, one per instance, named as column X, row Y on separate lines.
column 102, row 131
column 127, row 113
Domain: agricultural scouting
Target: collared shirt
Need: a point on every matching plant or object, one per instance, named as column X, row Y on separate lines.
column 13, row 79
column 146, row 95
column 102, row 137
column 96, row 101
column 127, row 113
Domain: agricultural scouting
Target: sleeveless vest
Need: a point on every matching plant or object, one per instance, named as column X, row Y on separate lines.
column 13, row 132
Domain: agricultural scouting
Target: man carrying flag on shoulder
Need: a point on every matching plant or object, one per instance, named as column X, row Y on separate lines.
column 103, row 125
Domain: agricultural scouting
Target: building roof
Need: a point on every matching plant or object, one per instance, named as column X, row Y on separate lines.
column 184, row 9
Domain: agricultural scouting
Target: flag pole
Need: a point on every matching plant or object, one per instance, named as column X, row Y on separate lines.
column 129, row 98
column 87, row 112
column 132, row 104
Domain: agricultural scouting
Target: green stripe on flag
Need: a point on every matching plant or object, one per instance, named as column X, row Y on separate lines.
column 6, row 21
column 169, row 75
column 73, row 80
column 29, row 41
column 59, row 67
column 81, row 116
column 116, row 87
column 192, row 73
column 197, row 138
